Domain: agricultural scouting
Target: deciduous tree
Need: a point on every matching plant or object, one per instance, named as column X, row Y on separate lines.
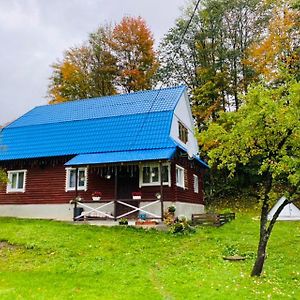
column 86, row 71
column 210, row 60
column 113, row 59
column 263, row 135
column 281, row 45
column 132, row 43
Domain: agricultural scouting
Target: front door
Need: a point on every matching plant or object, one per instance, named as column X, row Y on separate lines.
column 128, row 182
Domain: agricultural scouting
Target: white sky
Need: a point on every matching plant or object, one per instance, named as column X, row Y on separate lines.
column 34, row 34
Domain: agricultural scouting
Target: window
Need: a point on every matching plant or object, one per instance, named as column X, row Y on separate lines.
column 183, row 133
column 196, row 184
column 81, row 179
column 150, row 174
column 16, row 181
column 179, row 176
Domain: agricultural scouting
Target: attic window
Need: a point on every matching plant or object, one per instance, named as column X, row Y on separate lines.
column 183, row 133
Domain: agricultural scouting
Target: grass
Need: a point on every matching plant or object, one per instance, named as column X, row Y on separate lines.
column 54, row 260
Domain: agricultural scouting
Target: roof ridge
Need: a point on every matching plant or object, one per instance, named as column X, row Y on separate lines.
column 78, row 120
column 111, row 96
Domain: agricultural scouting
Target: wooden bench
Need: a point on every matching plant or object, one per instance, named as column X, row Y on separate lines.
column 212, row 219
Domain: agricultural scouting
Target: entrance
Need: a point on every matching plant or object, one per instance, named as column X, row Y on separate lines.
column 128, row 182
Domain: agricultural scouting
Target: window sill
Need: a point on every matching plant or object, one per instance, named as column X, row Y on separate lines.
column 182, row 187
column 15, row 192
column 154, row 184
column 79, row 189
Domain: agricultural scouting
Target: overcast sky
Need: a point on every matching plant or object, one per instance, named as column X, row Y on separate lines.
column 35, row 33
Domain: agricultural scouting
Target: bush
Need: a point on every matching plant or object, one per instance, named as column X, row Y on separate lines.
column 171, row 209
column 181, row 226
column 123, row 221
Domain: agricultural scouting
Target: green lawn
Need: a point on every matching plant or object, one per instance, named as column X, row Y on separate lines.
column 53, row 260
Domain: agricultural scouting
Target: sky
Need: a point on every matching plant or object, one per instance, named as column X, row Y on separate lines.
column 35, row 33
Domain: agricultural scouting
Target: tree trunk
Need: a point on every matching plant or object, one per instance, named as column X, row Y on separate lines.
column 263, row 232
column 261, row 256
column 264, row 238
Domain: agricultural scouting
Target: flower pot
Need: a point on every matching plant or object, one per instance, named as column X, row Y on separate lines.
column 146, row 223
column 96, row 198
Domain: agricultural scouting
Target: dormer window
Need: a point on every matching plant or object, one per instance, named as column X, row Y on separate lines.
column 183, row 133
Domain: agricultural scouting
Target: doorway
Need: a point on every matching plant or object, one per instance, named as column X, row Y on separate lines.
column 128, row 182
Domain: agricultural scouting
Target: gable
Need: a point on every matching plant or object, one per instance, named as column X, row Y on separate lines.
column 183, row 115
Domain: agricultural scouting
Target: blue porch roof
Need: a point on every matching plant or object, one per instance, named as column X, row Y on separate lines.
column 122, row 156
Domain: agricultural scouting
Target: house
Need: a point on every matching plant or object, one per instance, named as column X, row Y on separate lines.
column 141, row 143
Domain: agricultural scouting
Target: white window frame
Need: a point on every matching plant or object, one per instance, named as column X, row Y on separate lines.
column 180, row 184
column 196, row 184
column 154, row 165
column 79, row 188
column 9, row 188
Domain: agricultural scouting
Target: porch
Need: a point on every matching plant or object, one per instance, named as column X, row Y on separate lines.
column 116, row 191
column 115, row 210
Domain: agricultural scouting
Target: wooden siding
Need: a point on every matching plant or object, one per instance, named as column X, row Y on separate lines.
column 187, row 193
column 45, row 184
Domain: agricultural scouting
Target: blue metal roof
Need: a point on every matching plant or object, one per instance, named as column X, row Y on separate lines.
column 103, row 107
column 133, row 121
column 204, row 164
column 123, row 156
column 88, row 136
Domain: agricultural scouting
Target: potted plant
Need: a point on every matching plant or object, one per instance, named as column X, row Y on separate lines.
column 147, row 222
column 139, row 222
column 123, row 221
column 96, row 196
column 136, row 195
column 172, row 209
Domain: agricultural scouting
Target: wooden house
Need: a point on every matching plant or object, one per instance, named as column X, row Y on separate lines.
column 136, row 152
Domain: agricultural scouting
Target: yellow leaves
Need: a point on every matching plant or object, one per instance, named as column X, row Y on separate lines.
column 132, row 43
column 122, row 56
column 68, row 71
column 278, row 46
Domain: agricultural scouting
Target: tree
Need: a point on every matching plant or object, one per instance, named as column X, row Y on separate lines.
column 264, row 135
column 211, row 58
column 280, row 46
column 112, row 59
column 3, row 176
column 86, row 71
column 104, row 63
column 132, row 43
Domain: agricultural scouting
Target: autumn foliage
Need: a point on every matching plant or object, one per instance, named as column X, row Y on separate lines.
column 114, row 59
column 280, row 46
column 132, row 43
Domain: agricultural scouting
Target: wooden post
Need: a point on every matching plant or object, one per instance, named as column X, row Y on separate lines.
column 76, row 183
column 116, row 193
column 75, row 209
column 161, row 192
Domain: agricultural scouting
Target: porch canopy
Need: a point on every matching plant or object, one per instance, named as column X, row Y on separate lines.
column 122, row 156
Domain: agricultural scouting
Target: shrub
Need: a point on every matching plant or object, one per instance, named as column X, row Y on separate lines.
column 123, row 221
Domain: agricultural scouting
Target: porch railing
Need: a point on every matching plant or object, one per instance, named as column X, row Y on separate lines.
column 99, row 211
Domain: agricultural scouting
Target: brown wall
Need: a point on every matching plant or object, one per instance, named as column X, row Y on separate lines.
column 187, row 194
column 45, row 183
